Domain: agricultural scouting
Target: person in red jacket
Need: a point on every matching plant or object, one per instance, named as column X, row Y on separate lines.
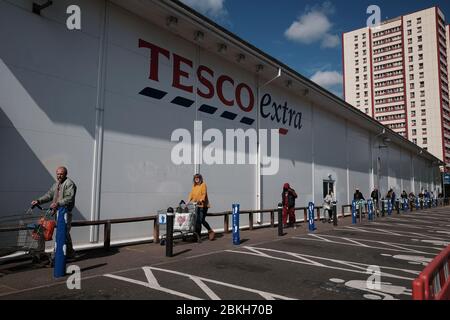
column 288, row 197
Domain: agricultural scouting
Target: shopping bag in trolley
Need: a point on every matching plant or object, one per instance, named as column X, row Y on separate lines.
column 184, row 218
column 45, row 227
column 184, row 221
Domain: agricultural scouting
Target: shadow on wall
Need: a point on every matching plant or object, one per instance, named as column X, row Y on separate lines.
column 24, row 177
column 68, row 98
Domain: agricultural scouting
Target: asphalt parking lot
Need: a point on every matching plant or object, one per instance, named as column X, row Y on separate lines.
column 366, row 261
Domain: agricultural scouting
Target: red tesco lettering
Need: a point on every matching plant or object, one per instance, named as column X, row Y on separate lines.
column 182, row 71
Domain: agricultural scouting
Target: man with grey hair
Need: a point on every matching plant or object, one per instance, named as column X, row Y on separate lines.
column 61, row 194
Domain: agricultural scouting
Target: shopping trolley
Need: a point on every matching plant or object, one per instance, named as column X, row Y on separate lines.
column 26, row 233
column 184, row 221
column 360, row 206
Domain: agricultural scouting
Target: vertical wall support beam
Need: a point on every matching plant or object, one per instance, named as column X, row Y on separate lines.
column 313, row 165
column 347, row 155
column 99, row 112
column 413, row 181
column 372, row 177
column 197, row 146
column 258, row 181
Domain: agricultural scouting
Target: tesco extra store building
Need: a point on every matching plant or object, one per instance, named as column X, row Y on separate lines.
column 106, row 100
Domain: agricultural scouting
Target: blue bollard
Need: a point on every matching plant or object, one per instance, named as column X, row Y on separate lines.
column 60, row 244
column 311, row 224
column 389, row 210
column 353, row 212
column 370, row 209
column 236, row 237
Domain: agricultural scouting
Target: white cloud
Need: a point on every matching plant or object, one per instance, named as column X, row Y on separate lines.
column 327, row 79
column 213, row 8
column 331, row 41
column 313, row 26
column 310, row 28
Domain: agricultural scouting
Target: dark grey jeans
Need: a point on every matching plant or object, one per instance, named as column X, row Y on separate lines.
column 201, row 220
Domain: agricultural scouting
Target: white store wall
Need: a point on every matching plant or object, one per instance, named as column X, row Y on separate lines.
column 52, row 80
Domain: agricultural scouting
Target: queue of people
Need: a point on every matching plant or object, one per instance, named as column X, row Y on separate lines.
column 390, row 197
column 62, row 194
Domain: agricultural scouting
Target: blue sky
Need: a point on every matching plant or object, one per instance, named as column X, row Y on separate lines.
column 305, row 35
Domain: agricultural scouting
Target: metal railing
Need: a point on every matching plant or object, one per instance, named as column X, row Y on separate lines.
column 226, row 221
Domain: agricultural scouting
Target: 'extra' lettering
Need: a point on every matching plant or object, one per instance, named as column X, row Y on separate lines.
column 280, row 113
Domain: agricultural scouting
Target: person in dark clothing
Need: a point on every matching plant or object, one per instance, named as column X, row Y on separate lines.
column 421, row 195
column 358, row 195
column 393, row 198
column 375, row 195
column 404, row 195
column 288, row 197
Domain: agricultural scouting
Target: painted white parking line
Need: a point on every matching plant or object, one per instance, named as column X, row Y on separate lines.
column 426, row 218
column 355, row 267
column 356, row 242
column 443, row 232
column 412, row 220
column 435, row 242
column 151, row 278
column 424, row 222
column 387, row 232
column 323, row 238
column 302, row 258
column 401, row 247
column 429, row 214
column 390, row 246
column 199, row 281
column 405, row 225
column 418, row 260
column 259, row 253
column 205, row 288
column 158, row 288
